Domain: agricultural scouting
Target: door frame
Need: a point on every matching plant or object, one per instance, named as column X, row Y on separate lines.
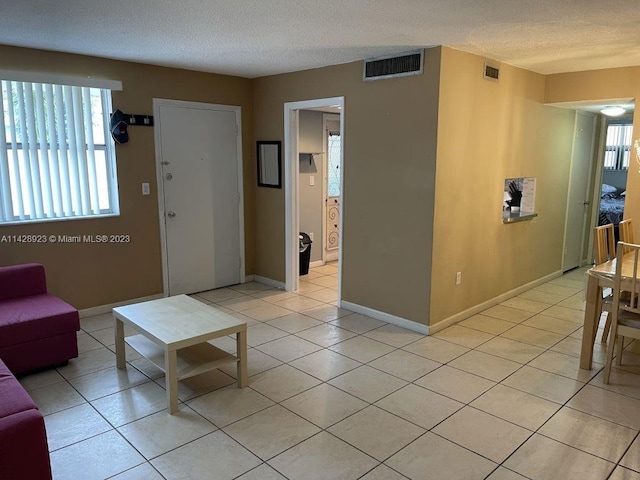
column 586, row 220
column 291, row 177
column 162, row 102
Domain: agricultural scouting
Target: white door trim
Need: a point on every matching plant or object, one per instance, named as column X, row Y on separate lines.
column 292, row 171
column 161, row 102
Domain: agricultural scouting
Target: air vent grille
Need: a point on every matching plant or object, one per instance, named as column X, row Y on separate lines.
column 491, row 72
column 410, row 63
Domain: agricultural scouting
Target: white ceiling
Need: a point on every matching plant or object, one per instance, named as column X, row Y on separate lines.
column 253, row 38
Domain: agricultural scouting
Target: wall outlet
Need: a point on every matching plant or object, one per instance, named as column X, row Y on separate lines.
column 458, row 278
column 311, row 236
column 145, row 189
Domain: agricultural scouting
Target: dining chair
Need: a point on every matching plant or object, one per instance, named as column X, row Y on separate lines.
column 625, row 231
column 604, row 250
column 625, row 317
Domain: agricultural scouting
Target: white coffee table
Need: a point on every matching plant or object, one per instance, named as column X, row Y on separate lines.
column 173, row 335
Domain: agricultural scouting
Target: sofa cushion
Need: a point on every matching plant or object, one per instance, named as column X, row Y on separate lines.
column 13, row 398
column 22, row 280
column 30, row 318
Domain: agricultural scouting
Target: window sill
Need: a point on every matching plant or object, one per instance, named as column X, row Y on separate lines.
column 513, row 217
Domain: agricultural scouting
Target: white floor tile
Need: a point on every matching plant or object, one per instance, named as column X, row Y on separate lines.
column 482, row 433
column 323, row 457
column 444, row 461
column 589, row 434
column 324, row 405
column 541, row 457
column 158, row 433
column 367, row 383
column 456, row 384
column 229, row 404
column 212, row 456
column 271, row 431
column 362, row 430
column 419, row 406
column 73, row 425
column 97, row 458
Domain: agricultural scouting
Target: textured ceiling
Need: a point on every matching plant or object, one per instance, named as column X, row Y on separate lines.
column 253, row 38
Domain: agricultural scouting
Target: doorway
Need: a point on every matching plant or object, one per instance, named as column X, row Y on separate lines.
column 577, row 225
column 293, row 157
column 199, row 172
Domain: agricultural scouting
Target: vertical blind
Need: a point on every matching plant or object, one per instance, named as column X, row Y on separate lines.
column 55, row 160
column 618, row 146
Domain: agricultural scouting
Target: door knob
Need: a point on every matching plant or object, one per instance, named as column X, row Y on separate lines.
column 168, row 176
column 586, row 203
column 171, row 214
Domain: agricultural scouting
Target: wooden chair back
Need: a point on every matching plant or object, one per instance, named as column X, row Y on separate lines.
column 629, row 282
column 625, row 316
column 604, row 243
column 625, row 231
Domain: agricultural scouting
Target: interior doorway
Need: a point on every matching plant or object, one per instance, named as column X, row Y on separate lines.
column 294, row 155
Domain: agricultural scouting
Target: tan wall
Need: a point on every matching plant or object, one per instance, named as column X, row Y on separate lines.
column 389, row 151
column 488, row 132
column 598, row 85
column 92, row 275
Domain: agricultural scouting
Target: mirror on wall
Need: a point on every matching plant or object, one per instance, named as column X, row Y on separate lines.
column 269, row 164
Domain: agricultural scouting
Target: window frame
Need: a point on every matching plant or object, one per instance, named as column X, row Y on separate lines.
column 45, row 149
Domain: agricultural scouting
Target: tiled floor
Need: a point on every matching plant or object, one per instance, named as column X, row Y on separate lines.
column 337, row 395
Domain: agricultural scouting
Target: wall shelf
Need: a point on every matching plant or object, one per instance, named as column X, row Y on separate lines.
column 309, row 155
column 513, row 217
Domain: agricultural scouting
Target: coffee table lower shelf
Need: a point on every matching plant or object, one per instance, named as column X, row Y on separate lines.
column 191, row 361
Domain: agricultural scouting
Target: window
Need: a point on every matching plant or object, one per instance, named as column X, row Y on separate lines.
column 333, row 167
column 57, row 159
column 618, row 145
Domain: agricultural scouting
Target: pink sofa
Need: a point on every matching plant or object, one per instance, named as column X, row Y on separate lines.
column 24, row 452
column 37, row 329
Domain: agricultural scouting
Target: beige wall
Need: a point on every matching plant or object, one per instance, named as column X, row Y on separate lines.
column 92, row 275
column 488, row 132
column 599, row 85
column 389, row 151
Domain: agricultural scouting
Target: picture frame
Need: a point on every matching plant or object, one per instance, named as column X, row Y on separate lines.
column 269, row 155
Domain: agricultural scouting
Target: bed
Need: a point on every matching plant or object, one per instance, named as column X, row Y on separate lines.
column 611, row 205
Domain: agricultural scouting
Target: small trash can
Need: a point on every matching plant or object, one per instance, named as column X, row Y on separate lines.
column 305, row 253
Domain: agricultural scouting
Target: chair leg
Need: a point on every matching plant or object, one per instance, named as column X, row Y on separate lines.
column 620, row 342
column 607, row 327
column 610, row 348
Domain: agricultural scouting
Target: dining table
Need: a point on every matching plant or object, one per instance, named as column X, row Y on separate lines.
column 599, row 277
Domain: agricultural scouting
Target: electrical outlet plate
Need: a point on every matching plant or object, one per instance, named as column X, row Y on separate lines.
column 458, row 278
column 145, row 189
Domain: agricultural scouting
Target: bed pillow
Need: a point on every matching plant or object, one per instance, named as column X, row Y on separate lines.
column 606, row 188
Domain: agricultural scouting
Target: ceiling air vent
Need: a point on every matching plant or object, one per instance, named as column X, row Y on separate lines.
column 398, row 65
column 491, row 72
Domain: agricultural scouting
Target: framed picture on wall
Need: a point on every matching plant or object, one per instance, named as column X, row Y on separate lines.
column 269, row 163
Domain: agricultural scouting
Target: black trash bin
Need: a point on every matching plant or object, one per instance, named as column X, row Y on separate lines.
column 305, row 253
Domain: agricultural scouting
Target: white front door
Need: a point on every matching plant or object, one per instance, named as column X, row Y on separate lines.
column 200, row 204
column 579, row 195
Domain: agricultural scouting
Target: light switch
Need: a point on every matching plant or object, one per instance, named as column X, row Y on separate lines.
column 312, row 180
column 145, row 189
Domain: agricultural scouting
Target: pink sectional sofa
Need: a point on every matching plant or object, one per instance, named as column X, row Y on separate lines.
column 24, row 452
column 37, row 329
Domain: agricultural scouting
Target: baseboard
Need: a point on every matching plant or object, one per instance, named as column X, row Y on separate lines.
column 268, row 281
column 99, row 310
column 458, row 317
column 317, row 263
column 386, row 317
column 249, row 278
